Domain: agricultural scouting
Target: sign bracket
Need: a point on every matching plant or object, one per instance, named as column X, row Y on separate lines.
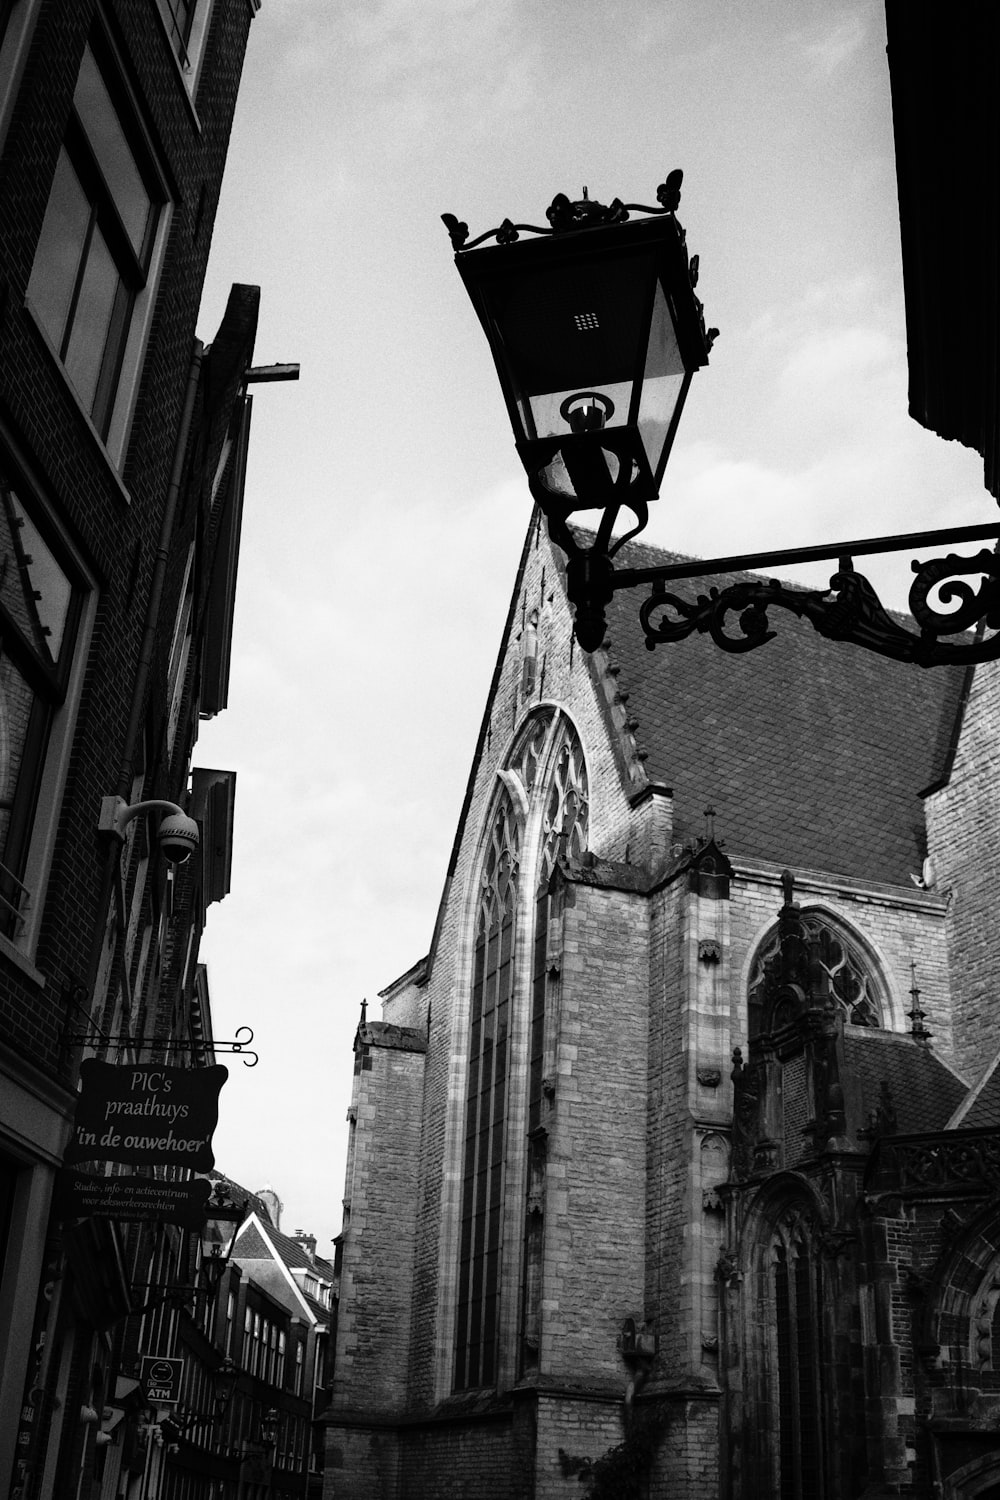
column 238, row 1047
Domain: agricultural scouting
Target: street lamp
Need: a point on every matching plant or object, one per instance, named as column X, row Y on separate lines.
column 596, row 332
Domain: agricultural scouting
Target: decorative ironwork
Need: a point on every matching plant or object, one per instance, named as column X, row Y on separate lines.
column 955, row 1162
column 849, row 610
column 238, row 1047
column 565, row 214
column 917, row 1016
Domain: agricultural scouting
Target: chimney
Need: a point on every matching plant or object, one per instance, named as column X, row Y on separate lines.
column 307, row 1241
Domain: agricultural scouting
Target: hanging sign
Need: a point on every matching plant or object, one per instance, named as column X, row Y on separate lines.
column 146, row 1116
column 160, row 1379
column 81, row 1195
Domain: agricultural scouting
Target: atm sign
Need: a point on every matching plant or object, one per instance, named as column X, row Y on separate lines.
column 160, row 1378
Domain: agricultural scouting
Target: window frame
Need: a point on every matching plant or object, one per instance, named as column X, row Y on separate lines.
column 817, row 921
column 57, row 687
column 110, row 410
column 484, row 1146
column 188, row 52
column 543, row 792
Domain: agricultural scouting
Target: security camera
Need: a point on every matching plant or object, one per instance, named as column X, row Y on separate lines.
column 177, row 836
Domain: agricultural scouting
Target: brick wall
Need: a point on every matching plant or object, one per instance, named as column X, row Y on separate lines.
column 963, row 817
column 380, row 1218
column 114, row 531
column 593, row 1276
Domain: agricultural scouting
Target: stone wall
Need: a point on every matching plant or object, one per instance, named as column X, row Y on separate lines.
column 963, row 817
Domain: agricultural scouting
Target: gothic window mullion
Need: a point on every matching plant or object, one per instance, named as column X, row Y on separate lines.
column 786, row 1382
column 806, row 1324
column 480, row 1237
column 796, row 1378
column 564, row 832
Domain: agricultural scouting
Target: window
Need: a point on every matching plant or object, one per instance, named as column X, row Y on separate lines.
column 230, row 1310
column 853, row 984
column 486, row 1101
column 95, row 250
column 796, row 1366
column 564, row 833
column 40, row 605
column 186, row 25
column 179, row 15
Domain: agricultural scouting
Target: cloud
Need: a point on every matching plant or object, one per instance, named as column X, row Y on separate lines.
column 816, row 445
column 842, row 39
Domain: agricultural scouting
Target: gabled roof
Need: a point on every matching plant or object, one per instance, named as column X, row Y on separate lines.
column 981, row 1108
column 257, row 1241
column 296, row 1257
column 924, row 1090
column 812, row 752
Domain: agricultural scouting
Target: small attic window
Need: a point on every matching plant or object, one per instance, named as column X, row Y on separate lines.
column 856, row 987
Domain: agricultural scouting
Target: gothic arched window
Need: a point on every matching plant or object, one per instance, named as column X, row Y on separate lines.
column 564, row 832
column 793, row 1312
column 853, row 983
column 565, row 819
column 486, row 1103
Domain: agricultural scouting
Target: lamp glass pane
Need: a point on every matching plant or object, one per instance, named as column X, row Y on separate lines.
column 571, row 328
column 663, row 381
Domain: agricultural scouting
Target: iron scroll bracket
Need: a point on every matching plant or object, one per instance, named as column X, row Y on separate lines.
column 942, row 602
column 238, row 1047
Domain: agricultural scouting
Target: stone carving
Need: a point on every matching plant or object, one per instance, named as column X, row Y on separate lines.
column 727, row 1268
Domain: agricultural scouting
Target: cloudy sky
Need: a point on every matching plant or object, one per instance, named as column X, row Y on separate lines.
column 385, row 507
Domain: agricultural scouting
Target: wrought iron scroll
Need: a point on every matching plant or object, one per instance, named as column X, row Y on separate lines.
column 959, row 1161
column 849, row 610
column 563, row 214
column 238, row 1047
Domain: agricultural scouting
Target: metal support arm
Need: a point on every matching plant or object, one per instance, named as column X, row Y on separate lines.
column 848, row 610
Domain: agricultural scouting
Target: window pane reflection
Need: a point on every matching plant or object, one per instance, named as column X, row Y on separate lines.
column 92, row 318
column 60, row 250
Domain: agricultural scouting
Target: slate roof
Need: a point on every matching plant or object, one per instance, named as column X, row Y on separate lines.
column 253, row 1247
column 983, row 1106
column 813, row 752
column 925, row 1092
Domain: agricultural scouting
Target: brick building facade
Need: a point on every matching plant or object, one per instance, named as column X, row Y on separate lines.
column 122, row 450
column 655, row 1173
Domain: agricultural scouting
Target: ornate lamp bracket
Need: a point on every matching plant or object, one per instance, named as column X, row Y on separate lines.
column 738, row 619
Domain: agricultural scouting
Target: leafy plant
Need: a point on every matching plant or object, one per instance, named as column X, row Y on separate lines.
column 621, row 1473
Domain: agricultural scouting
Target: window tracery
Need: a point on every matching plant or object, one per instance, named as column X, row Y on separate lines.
column 564, row 832
column 546, row 790
column 793, row 1455
column 853, row 983
column 527, row 758
column 486, row 1102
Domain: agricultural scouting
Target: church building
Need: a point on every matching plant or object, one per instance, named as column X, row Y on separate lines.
column 674, row 1166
